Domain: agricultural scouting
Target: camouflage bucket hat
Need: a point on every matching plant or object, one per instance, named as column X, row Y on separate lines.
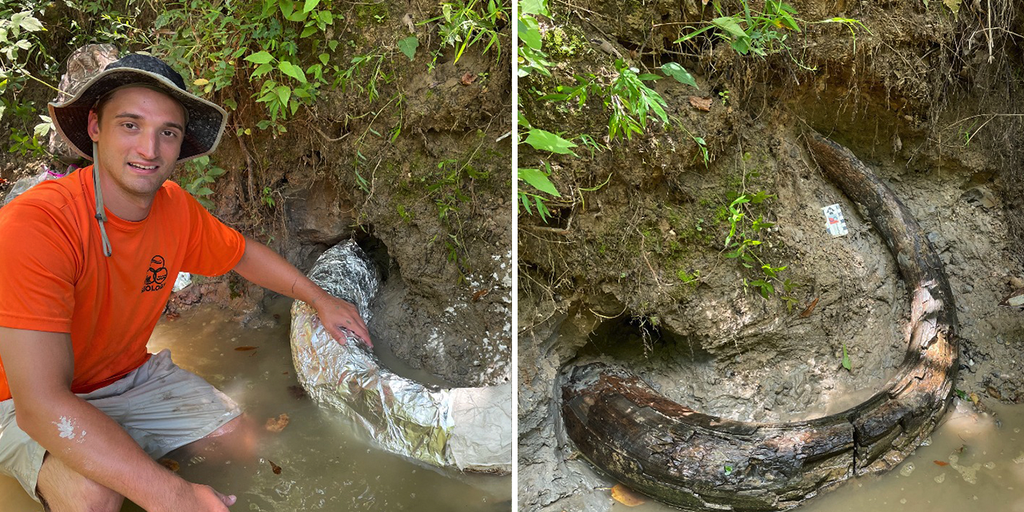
column 205, row 120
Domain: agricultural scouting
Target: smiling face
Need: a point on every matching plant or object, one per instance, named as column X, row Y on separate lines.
column 138, row 132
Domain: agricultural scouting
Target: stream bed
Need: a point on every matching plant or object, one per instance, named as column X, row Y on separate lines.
column 318, row 461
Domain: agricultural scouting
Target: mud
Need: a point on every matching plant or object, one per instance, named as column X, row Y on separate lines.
column 607, row 286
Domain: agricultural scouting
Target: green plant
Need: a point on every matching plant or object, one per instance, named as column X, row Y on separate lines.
column 267, row 197
column 463, row 24
column 761, row 33
column 691, row 278
column 18, row 45
column 744, row 239
column 197, row 176
column 406, row 215
column 539, row 180
column 846, row 359
column 628, row 99
column 625, row 95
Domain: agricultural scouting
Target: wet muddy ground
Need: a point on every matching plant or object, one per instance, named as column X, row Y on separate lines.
column 323, row 463
column 975, row 461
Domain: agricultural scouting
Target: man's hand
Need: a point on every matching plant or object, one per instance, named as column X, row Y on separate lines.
column 266, row 268
column 209, row 499
column 339, row 316
column 194, row 498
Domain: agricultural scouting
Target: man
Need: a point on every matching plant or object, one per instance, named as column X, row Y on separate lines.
column 87, row 263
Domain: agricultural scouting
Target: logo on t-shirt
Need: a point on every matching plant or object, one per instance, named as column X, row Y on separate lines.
column 156, row 276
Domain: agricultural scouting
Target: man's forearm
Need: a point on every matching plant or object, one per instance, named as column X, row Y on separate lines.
column 264, row 267
column 95, row 446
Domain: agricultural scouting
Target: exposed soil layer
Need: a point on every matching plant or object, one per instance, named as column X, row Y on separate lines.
column 916, row 98
column 417, row 171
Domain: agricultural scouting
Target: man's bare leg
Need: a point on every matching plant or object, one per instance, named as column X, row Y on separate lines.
column 236, row 440
column 61, row 489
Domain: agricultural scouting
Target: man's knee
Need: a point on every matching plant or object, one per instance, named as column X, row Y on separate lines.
column 61, row 489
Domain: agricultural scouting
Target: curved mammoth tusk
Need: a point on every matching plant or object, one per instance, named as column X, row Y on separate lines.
column 697, row 461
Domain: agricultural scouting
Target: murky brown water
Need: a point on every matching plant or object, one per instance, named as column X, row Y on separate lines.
column 974, row 463
column 324, row 464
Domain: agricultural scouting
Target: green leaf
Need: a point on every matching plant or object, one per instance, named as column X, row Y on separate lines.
column 262, row 69
column 533, row 7
column 846, row 359
column 408, row 46
column 30, row 23
column 680, row 73
column 284, row 93
column 538, row 180
column 731, row 26
column 529, row 32
column 261, row 57
column 43, row 128
column 546, row 141
column 523, row 121
column 310, row 5
column 292, row 70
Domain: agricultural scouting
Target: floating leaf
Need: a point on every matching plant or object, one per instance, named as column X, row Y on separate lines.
column 941, row 463
column 277, row 424
column 846, row 358
column 296, row 391
column 626, row 496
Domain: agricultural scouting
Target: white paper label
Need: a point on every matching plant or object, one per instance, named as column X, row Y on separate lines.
column 834, row 221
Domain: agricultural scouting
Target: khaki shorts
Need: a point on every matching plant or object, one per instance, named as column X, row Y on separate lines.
column 161, row 406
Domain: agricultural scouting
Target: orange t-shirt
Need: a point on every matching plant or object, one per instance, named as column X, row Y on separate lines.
column 55, row 278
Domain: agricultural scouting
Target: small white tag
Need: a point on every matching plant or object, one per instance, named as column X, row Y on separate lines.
column 834, row 221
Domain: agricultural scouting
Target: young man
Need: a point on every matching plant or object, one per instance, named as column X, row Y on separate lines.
column 87, row 263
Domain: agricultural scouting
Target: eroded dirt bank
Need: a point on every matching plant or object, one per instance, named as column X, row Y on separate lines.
column 636, row 271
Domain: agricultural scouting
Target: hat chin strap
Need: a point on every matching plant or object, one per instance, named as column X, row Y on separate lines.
column 101, row 214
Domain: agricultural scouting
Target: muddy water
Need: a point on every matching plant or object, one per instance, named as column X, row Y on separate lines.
column 324, row 464
column 974, row 462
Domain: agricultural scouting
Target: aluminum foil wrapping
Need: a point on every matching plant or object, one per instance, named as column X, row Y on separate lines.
column 401, row 415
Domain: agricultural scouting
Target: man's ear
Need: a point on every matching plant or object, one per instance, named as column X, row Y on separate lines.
column 94, row 126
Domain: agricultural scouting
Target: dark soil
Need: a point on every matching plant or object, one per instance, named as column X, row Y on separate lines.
column 919, row 96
